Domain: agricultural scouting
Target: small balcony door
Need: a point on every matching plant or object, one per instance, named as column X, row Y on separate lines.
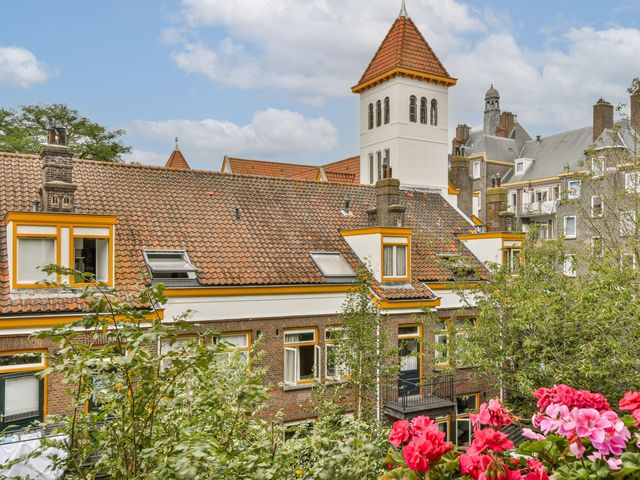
column 410, row 353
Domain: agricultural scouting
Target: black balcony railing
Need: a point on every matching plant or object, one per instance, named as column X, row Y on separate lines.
column 422, row 394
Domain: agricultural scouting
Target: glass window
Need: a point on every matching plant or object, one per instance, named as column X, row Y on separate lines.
column 463, row 432
column 423, row 110
column 442, row 348
column 597, row 166
column 434, row 112
column 333, row 368
column 21, row 360
column 395, row 261
column 597, row 206
column 301, row 357
column 169, row 264
column 573, row 189
column 386, row 163
column 180, row 346
column 34, row 253
column 21, row 398
column 332, row 265
column 387, row 111
column 467, row 403
column 627, row 223
column 379, row 164
column 235, row 342
column 476, row 170
column 477, row 202
column 408, row 330
column 631, row 182
column 443, row 425
column 519, row 167
column 370, row 116
column 371, row 169
column 413, row 109
column 300, row 428
column 570, row 227
column 91, row 255
column 569, row 267
column 378, row 113
column 512, row 260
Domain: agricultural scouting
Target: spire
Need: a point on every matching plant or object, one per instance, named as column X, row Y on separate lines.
column 176, row 160
column 177, row 148
column 403, row 11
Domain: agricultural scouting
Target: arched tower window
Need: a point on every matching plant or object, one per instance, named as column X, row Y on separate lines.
column 378, row 113
column 434, row 112
column 387, row 112
column 370, row 116
column 423, row 111
column 412, row 108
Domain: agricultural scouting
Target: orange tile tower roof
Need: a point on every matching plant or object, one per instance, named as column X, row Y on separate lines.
column 404, row 51
column 177, row 161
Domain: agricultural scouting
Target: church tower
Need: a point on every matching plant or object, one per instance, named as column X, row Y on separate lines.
column 404, row 111
column 491, row 111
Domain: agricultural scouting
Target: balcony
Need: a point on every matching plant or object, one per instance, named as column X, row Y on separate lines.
column 535, row 209
column 405, row 399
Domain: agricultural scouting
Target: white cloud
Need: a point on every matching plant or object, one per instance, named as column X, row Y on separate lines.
column 315, row 49
column 272, row 133
column 145, row 157
column 19, row 67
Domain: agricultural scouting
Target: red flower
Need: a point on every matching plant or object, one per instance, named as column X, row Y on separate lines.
column 565, row 395
column 489, row 439
column 630, row 401
column 420, row 424
column 399, row 434
column 493, row 414
column 425, row 448
column 474, row 465
column 536, row 470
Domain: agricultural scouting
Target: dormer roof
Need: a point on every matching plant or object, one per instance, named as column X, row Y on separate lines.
column 404, row 52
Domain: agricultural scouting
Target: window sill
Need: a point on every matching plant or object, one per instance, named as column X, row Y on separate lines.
column 302, row 386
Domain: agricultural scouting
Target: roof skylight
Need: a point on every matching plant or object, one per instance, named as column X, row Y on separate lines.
column 169, row 265
column 333, row 267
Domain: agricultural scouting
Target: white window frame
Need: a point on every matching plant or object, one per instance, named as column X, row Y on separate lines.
column 593, row 213
column 476, row 169
column 632, row 182
column 624, row 231
column 575, row 230
column 541, row 194
column 342, row 371
column 573, row 189
column 232, row 348
column 569, row 265
column 519, row 168
column 598, row 166
column 291, row 350
column 476, row 200
column 394, row 256
column 512, row 201
column 55, row 260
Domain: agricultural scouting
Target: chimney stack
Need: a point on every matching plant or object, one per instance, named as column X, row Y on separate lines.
column 463, row 132
column 602, row 117
column 507, row 123
column 57, row 193
column 388, row 211
column 634, row 104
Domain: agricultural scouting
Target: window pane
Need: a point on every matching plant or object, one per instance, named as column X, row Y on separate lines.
column 467, row 403
column 299, row 337
column 32, row 254
column 239, row 340
column 408, row 330
column 388, row 261
column 463, row 434
column 21, row 360
column 307, row 358
column 91, row 255
column 332, row 264
column 409, row 355
column 290, row 355
column 401, row 261
column 21, row 398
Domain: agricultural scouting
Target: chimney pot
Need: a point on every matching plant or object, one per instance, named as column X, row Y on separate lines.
column 602, row 117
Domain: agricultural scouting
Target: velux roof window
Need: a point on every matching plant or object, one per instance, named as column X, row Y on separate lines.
column 170, row 266
column 333, row 267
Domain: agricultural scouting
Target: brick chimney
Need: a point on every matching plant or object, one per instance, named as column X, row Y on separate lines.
column 460, row 178
column 507, row 123
column 634, row 104
column 57, row 193
column 388, row 211
column 497, row 217
column 463, row 132
column 602, row 117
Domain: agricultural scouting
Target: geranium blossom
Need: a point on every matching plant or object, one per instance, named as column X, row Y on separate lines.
column 492, row 414
column 399, row 434
column 565, row 395
column 489, row 439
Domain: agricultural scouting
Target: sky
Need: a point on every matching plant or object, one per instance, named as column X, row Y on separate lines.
column 271, row 79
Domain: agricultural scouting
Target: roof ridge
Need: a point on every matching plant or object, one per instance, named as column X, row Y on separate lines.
column 559, row 133
column 429, row 47
column 268, row 161
column 339, row 161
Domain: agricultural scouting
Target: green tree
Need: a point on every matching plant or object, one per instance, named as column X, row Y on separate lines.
column 24, row 131
column 363, row 351
column 181, row 412
column 543, row 328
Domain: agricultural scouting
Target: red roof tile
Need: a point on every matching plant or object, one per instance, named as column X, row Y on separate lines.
column 263, row 168
column 176, row 160
column 281, row 221
column 404, row 47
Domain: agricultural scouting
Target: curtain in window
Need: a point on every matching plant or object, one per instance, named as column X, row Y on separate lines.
column 388, row 261
column 32, row 254
column 401, row 261
column 21, row 398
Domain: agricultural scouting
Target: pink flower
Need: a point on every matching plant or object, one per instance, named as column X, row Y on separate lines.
column 616, row 436
column 577, row 448
column 531, row 435
column 614, row 464
column 420, row 424
column 425, row 449
column 590, row 424
column 493, row 414
column 489, row 439
column 565, row 395
column 399, row 433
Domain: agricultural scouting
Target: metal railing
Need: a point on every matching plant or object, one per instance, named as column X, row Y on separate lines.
column 547, row 207
column 423, row 393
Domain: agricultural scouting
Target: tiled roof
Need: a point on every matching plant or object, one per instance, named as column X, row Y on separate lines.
column 263, row 168
column 405, row 47
column 341, row 171
column 177, row 160
column 281, row 221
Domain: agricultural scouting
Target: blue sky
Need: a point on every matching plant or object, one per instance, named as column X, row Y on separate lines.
column 271, row 78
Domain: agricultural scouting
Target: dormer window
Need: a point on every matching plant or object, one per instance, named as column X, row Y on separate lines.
column 32, row 254
column 395, row 260
column 519, row 168
column 170, row 265
column 91, row 253
column 334, row 267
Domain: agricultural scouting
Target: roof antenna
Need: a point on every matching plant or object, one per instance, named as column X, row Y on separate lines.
column 403, row 11
column 177, row 144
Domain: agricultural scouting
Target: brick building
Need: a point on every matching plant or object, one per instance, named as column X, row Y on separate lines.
column 256, row 253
